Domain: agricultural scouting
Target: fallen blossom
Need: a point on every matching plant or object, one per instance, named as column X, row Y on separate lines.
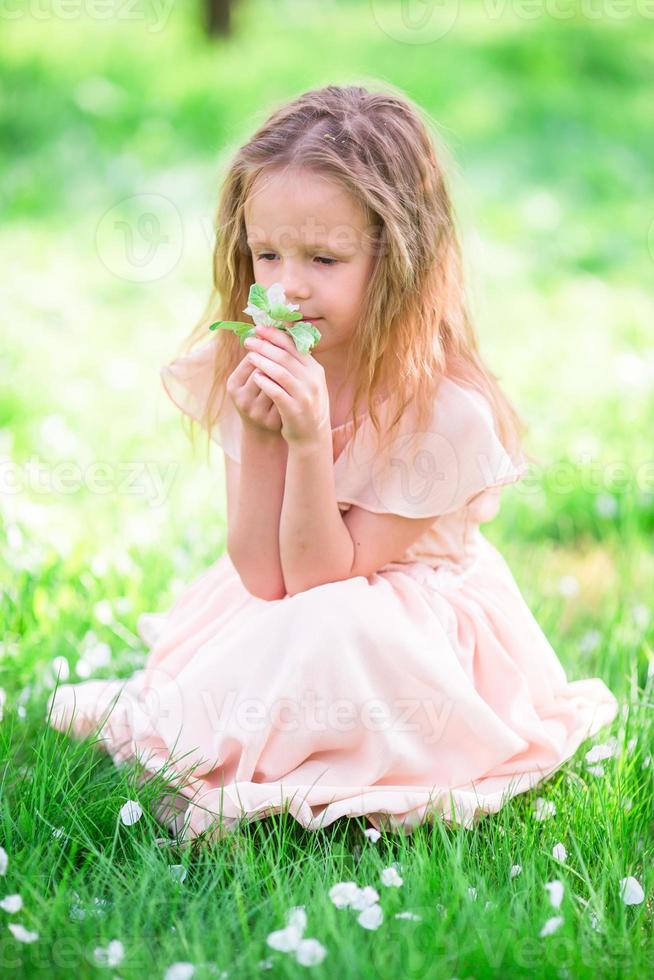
column 631, row 891
column 559, row 852
column 22, row 934
column 179, row 971
column 111, row 955
column 130, row 812
column 11, row 904
column 372, row 834
column 555, row 889
column 371, row 917
column 516, row 869
column 390, row 878
column 310, row 952
column 551, row 925
column 543, row 808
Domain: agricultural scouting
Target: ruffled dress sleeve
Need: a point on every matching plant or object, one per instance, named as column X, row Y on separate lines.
column 457, row 461
column 187, row 382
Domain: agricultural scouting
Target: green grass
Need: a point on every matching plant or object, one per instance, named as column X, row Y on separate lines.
column 549, row 122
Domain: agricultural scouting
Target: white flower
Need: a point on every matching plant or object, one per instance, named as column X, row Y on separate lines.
column 343, row 893
column 472, row 892
column 604, row 750
column 297, row 917
column 130, row 812
column 4, row 861
column 12, row 903
column 179, row 971
column 309, row 952
column 568, row 585
column 555, row 889
column 597, row 770
column 22, row 934
column 543, row 808
column 631, row 891
column 112, row 955
column 371, row 917
column 551, row 925
column 516, row 870
column 372, row 834
column 364, row 897
column 285, row 940
column 390, row 878
column 408, row 915
column 559, row 852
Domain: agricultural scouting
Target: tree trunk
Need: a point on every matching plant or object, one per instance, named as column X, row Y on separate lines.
column 218, row 19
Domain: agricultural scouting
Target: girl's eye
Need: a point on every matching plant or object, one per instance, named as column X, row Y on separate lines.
column 320, row 258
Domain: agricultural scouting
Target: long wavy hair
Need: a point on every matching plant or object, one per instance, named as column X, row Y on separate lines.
column 414, row 326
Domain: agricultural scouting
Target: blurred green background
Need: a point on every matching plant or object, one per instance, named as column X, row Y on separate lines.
column 114, row 130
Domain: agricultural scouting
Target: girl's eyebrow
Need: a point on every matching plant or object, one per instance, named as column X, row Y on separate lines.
column 312, row 248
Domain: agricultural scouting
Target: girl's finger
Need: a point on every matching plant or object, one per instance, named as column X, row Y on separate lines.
column 279, row 374
column 282, row 339
column 280, row 398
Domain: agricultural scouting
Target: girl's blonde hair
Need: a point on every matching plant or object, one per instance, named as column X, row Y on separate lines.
column 414, row 326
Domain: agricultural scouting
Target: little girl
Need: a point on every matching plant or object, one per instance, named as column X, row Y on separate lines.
column 361, row 648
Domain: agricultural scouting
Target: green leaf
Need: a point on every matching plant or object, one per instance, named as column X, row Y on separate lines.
column 305, row 335
column 258, row 296
column 284, row 313
column 242, row 330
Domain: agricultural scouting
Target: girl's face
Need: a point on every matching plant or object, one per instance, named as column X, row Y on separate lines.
column 308, row 234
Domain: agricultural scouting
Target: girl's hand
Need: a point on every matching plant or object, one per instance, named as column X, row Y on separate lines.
column 294, row 382
column 256, row 409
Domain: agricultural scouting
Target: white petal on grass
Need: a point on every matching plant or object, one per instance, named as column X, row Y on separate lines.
column 551, row 925
column 631, row 891
column 364, row 898
column 266, row 964
column 130, row 812
column 58, row 832
column 179, row 971
column 597, row 770
column 646, row 762
column 516, row 869
column 11, row 904
column 111, row 955
column 408, row 915
column 543, row 809
column 390, row 878
column 603, row 750
column 555, row 889
column 371, row 917
column 297, row 917
column 177, row 872
column 310, row 952
column 372, row 834
column 285, row 940
column 343, row 893
column 472, row 892
column 4, row 861
column 559, row 852
column 22, row 934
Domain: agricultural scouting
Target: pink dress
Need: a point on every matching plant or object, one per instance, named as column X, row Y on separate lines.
column 426, row 689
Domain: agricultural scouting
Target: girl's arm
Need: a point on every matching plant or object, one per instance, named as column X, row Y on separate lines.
column 315, row 545
column 253, row 532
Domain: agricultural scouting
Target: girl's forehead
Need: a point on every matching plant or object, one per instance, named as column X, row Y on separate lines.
column 303, row 199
